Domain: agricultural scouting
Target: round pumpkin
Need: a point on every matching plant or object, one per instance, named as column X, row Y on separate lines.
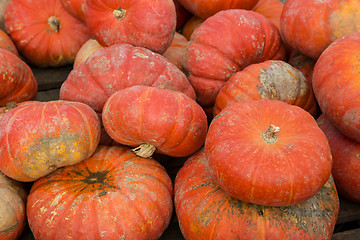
column 155, row 119
column 76, row 8
column 207, row 8
column 7, row 43
column 12, row 208
column 336, row 84
column 271, row 9
column 17, row 80
column 205, row 211
column 38, row 137
column 47, row 36
column 111, row 195
column 143, row 23
column 346, row 164
column 272, row 79
column 119, row 66
column 310, row 26
column 217, row 50
column 268, row 152
column 86, row 50
column 176, row 51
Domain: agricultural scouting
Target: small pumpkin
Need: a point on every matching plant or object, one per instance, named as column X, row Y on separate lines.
column 311, row 26
column 142, row 23
column 154, row 119
column 346, row 164
column 111, row 195
column 176, row 51
column 38, row 137
column 271, row 9
column 12, row 208
column 205, row 211
column 336, row 84
column 190, row 25
column 76, row 8
column 86, row 50
column 47, row 36
column 271, row 79
column 217, row 50
column 303, row 63
column 119, row 66
column 17, row 80
column 269, row 152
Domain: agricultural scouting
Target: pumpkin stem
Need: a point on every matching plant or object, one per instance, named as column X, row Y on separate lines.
column 119, row 13
column 10, row 105
column 54, row 23
column 145, row 150
column 269, row 136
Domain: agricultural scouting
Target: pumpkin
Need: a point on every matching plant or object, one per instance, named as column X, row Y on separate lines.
column 310, row 26
column 205, row 211
column 111, row 195
column 12, row 208
column 76, row 8
column 119, row 66
column 303, row 63
column 271, row 9
column 176, row 51
column 17, row 80
column 268, row 152
column 271, row 79
column 143, row 23
column 86, row 50
column 346, row 164
column 190, row 25
column 3, row 4
column 207, row 8
column 151, row 118
column 217, row 50
column 38, row 137
column 49, row 38
column 335, row 84
column 7, row 43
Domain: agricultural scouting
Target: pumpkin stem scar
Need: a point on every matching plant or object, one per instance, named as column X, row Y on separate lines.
column 269, row 136
column 54, row 23
column 145, row 150
column 119, row 13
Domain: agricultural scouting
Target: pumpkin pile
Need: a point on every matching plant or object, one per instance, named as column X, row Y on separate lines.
column 257, row 111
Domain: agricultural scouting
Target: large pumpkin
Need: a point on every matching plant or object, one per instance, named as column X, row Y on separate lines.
column 113, row 68
column 207, row 8
column 217, row 50
column 38, row 137
column 12, row 208
column 44, row 32
column 346, row 163
column 143, row 23
column 17, row 81
column 310, row 25
column 268, row 152
column 152, row 118
column 205, row 211
column 272, row 79
column 336, row 84
column 112, row 195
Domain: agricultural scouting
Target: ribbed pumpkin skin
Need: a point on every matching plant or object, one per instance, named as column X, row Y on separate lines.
column 176, row 51
column 303, row 63
column 272, row 79
column 38, row 137
column 111, row 69
column 17, row 81
column 207, row 8
column 217, row 50
column 36, row 40
column 76, row 8
column 171, row 121
column 12, row 208
column 205, row 211
column 112, row 195
column 346, row 164
column 7, row 43
column 190, row 25
column 336, row 84
column 285, row 168
column 271, row 9
column 329, row 20
column 143, row 23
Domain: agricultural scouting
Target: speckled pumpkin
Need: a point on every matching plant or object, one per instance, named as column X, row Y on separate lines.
column 112, row 195
column 38, row 137
column 205, row 211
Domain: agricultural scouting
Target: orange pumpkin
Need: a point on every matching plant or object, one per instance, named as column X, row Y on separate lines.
column 271, row 9
column 7, row 43
column 176, row 51
column 86, row 50
column 76, row 8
